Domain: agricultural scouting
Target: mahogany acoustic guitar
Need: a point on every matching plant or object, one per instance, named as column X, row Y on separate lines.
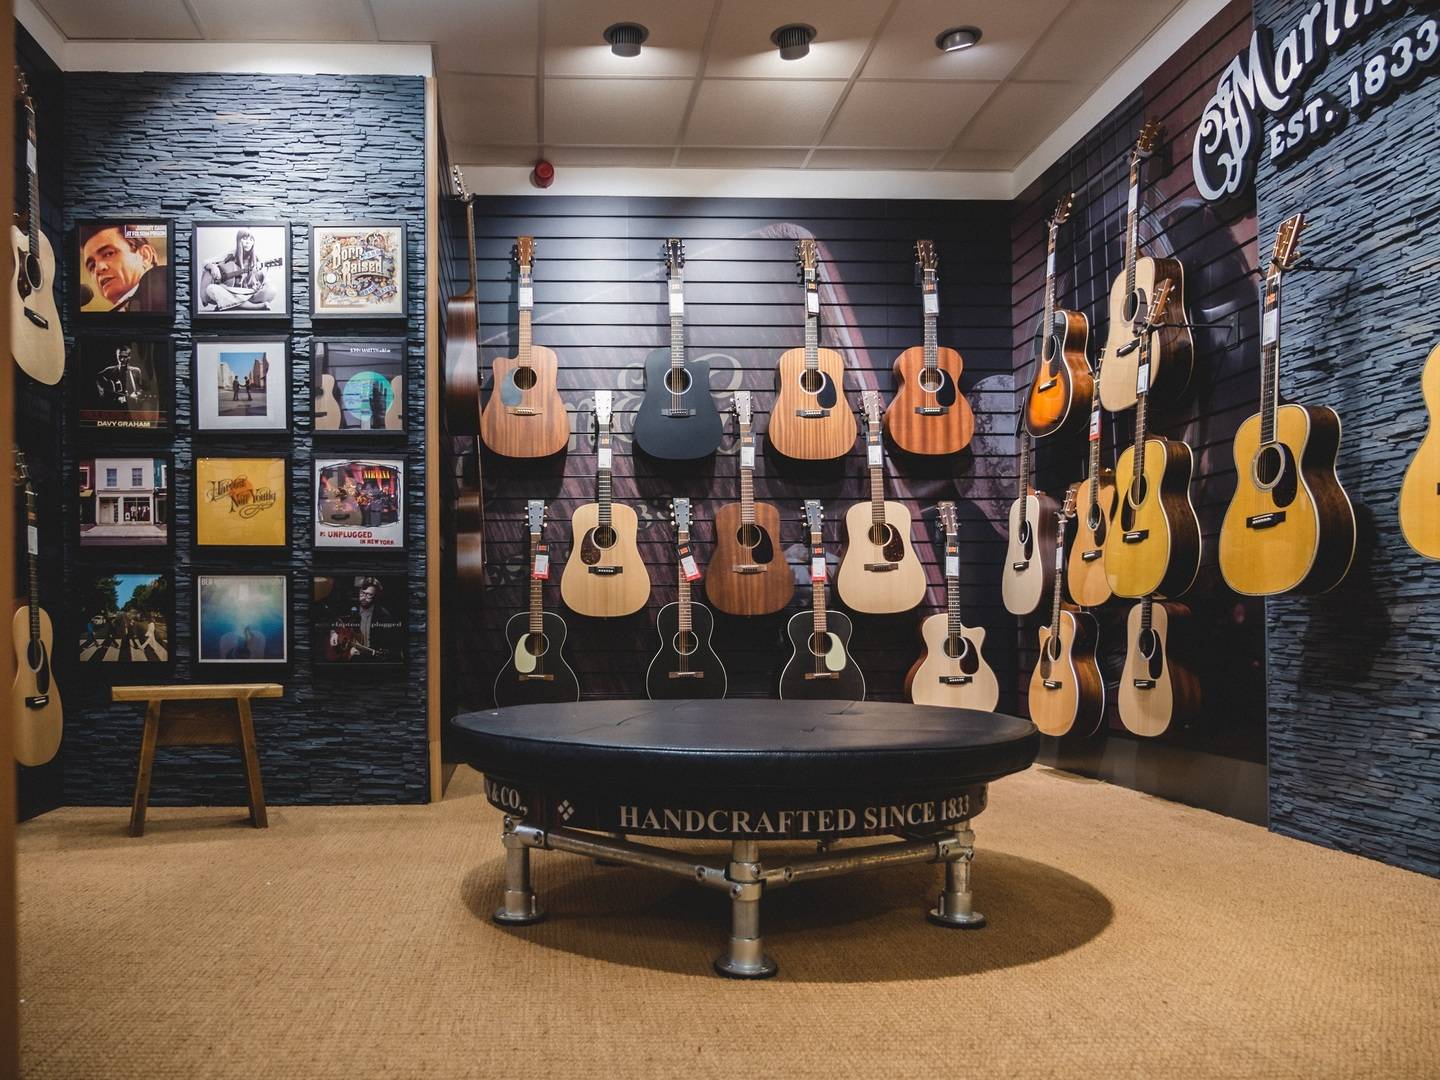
column 811, row 420
column 1061, row 388
column 1067, row 693
column 36, row 341
column 929, row 414
column 1420, row 493
column 536, row 672
column 1095, row 499
column 820, row 664
column 35, row 709
column 1156, row 693
column 685, row 665
column 525, row 416
column 1027, row 573
column 1290, row 525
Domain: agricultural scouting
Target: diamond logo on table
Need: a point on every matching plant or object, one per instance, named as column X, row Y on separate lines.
column 565, row 810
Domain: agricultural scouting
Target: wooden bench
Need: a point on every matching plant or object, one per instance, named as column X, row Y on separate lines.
column 206, row 715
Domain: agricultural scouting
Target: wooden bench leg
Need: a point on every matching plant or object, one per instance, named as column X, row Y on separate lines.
column 142, row 776
column 252, row 765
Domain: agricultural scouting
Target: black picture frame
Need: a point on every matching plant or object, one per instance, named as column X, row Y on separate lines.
column 106, row 533
column 210, row 655
column 329, row 620
column 104, row 388
column 129, row 648
column 207, row 423
column 342, row 359
column 201, row 252
column 331, row 535
column 141, row 304
column 397, row 310
column 207, row 495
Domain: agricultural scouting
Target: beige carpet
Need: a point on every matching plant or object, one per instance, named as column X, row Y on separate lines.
column 1127, row 937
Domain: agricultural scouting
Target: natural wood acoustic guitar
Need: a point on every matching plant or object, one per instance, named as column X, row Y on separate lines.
column 462, row 409
column 879, row 573
column 1067, row 693
column 820, row 664
column 811, row 420
column 35, row 709
column 1156, row 692
column 685, row 664
column 1061, row 388
column 536, row 671
column 1027, row 574
column 1095, row 501
column 36, row 339
column 929, row 414
column 1290, row 525
column 1420, row 493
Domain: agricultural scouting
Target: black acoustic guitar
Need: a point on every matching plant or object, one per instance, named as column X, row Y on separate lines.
column 536, row 672
column 685, row 666
column 678, row 419
column 820, row 664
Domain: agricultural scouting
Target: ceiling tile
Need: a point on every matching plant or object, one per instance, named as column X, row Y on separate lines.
column 284, row 20
column 488, row 109
column 86, row 19
column 871, row 159
column 982, row 160
column 658, row 157
column 1102, row 31
column 502, row 42
column 635, row 112
column 1022, row 115
column 574, row 45
column 742, row 46
column 463, row 153
column 906, row 47
column 693, row 157
column 761, row 112
column 906, row 113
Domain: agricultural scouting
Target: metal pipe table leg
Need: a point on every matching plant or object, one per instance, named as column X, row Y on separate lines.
column 520, row 906
column 953, row 910
column 746, row 957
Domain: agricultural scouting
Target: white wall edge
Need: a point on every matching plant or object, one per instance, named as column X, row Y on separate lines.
column 41, row 29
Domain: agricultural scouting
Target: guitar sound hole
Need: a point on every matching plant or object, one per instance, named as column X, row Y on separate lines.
column 879, row 534
column 957, row 647
column 747, row 536
column 812, row 382
column 684, row 643
column 1138, row 491
column 1148, row 642
column 1026, row 544
column 32, row 271
column 1269, row 465
column 1135, row 307
column 604, row 537
column 1052, row 647
column 523, row 377
column 819, row 644
column 677, row 382
column 931, row 381
column 537, row 644
column 1093, row 519
column 35, row 655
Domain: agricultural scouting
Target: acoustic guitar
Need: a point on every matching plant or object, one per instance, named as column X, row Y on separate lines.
column 1095, row 499
column 36, row 341
column 1067, row 693
column 879, row 573
column 748, row 572
column 685, row 665
column 524, row 416
column 820, row 664
column 929, row 414
column 604, row 576
column 810, row 420
column 1027, row 574
column 1172, row 349
column 1290, row 525
column 1156, row 693
column 536, row 671
column 1062, row 386
column 1153, row 543
column 678, row 420
column 35, row 708
column 952, row 670
column 1420, row 493
column 462, row 335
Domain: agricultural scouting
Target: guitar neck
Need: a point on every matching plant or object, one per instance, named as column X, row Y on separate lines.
column 537, row 609
column 1094, row 474
column 602, row 477
column 1048, row 316
column 952, row 590
column 747, row 478
column 683, row 601
column 32, row 546
column 1146, row 602
column 877, row 476
column 470, row 250
column 1024, row 481
column 817, row 604
column 1142, row 420
column 1270, row 359
column 812, row 329
column 525, row 315
column 931, row 319
column 1059, row 581
column 1132, row 225
column 32, row 181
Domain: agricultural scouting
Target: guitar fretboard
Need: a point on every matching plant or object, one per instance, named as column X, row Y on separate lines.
column 812, row 329
column 602, row 476
column 952, row 592
column 1270, row 358
column 1048, row 317
column 932, row 341
column 32, row 520
column 537, row 622
column 1024, row 479
column 1132, row 227
column 526, row 313
column 747, row 478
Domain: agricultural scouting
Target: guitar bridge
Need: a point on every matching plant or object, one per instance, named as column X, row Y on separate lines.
column 956, row 680
column 931, row 410
column 821, row 675
column 1135, row 536
column 1265, row 521
column 38, row 319
column 1019, row 565
column 812, row 414
column 748, row 568
column 537, row 678
column 1144, row 684
column 522, row 410
column 606, row 571
column 687, row 674
column 677, row 412
column 1051, row 684
column 1090, row 556
column 1046, row 385
column 881, row 567
column 37, row 701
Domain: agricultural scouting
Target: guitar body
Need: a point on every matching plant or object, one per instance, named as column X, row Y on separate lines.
column 1085, row 566
column 1156, row 693
column 470, row 536
column 730, row 582
column 1154, row 548
column 1306, row 538
column 604, row 576
column 536, row 672
column 1420, row 493
column 1069, row 699
column 395, row 411
column 812, row 438
column 879, row 592
column 677, row 438
column 462, row 366
column 840, row 679
column 911, row 420
column 1172, row 348
column 1029, row 572
column 37, row 727
column 38, row 347
column 327, row 406
column 704, row 675
column 1060, row 397
column 525, row 421
column 961, row 681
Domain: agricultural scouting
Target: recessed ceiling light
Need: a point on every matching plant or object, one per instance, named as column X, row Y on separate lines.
column 625, row 38
column 794, row 40
column 957, row 38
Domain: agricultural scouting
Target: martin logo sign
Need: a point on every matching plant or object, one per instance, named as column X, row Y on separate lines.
column 1268, row 81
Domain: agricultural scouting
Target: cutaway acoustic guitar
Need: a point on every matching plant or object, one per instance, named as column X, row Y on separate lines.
column 36, row 340
column 1156, row 692
column 1420, row 493
column 1062, row 385
column 820, row 664
column 1026, row 575
column 1067, row 693
column 685, row 665
column 536, row 671
column 35, row 709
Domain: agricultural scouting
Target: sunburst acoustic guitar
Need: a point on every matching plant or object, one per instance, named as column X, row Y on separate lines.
column 1067, row 693
column 1062, row 385
column 1420, row 493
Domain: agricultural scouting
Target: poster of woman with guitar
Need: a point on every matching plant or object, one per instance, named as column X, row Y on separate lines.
column 243, row 269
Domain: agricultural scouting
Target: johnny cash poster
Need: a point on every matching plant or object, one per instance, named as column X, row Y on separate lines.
column 357, row 270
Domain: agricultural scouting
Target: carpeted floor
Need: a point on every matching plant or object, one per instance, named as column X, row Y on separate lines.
column 1127, row 937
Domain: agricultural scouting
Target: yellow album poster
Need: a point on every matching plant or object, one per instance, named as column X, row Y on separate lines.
column 240, row 502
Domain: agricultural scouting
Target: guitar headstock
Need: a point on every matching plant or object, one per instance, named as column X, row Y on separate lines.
column 742, row 407
column 1287, row 243
column 1158, row 300
column 949, row 521
column 1062, row 211
column 535, row 517
column 458, row 179
column 1145, row 141
column 814, row 520
column 524, row 254
column 680, row 515
column 809, row 260
column 604, row 409
column 925, row 260
column 673, row 252
column 1066, row 512
column 870, row 404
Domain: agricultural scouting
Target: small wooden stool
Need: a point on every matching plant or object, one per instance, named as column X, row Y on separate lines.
column 198, row 716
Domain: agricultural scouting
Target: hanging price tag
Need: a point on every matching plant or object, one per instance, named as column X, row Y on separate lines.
column 527, row 297
column 1134, row 203
column 812, row 301
column 687, row 564
column 604, row 456
column 875, row 453
column 1142, row 379
column 817, row 564
column 1270, row 327
column 677, row 303
column 952, row 564
column 932, row 302
column 540, row 571
column 1094, row 425
column 31, row 156
column 1059, row 558
column 747, row 456
column 32, row 538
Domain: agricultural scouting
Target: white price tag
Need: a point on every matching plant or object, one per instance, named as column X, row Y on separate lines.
column 1142, row 379
column 1094, row 424
column 541, row 569
column 1134, row 203
column 1050, row 263
column 31, row 156
column 605, row 456
column 527, row 297
column 1059, row 558
column 747, row 457
column 812, row 301
column 952, row 565
column 817, row 568
column 688, row 567
column 875, row 454
column 932, row 303
column 1270, row 327
column 677, row 303
column 32, row 538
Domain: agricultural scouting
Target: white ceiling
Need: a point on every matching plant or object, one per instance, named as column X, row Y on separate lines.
column 526, row 78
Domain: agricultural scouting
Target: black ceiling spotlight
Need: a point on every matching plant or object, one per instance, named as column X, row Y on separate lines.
column 794, row 40
column 957, row 38
column 625, row 38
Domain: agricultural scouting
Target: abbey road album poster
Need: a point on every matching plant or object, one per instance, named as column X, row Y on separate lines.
column 125, row 618
column 357, row 270
column 240, row 270
column 125, row 269
column 124, row 384
column 359, row 503
column 359, row 386
column 242, row 618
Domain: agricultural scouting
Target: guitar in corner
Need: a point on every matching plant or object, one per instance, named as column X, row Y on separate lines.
column 1061, row 388
column 678, row 420
column 35, row 707
column 952, row 671
column 1027, row 573
column 811, row 420
column 36, row 340
column 536, row 672
column 1290, row 526
column 820, row 665
column 749, row 574
column 1067, row 693
column 1153, row 542
column 525, row 416
column 1095, row 500
column 929, row 414
column 1420, row 493
column 1172, row 349
column 604, row 576
column 1156, row 693
column 685, row 665
column 879, row 573
column 462, row 337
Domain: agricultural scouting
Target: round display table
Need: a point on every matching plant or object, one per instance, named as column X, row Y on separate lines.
column 588, row 777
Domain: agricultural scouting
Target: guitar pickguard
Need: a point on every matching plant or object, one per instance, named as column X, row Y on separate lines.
column 835, row 658
column 510, row 394
column 763, row 553
column 524, row 658
column 945, row 395
column 589, row 550
column 894, row 549
column 826, row 396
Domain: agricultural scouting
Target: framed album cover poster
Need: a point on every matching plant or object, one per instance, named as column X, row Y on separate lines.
column 359, row 386
column 242, row 385
column 124, row 384
column 240, row 270
column 242, row 618
column 125, row 619
column 124, row 269
column 125, row 501
column 358, row 619
column 357, row 270
column 241, row 502
column 360, row 503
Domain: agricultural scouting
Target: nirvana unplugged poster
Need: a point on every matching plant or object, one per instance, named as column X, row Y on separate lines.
column 359, row 504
